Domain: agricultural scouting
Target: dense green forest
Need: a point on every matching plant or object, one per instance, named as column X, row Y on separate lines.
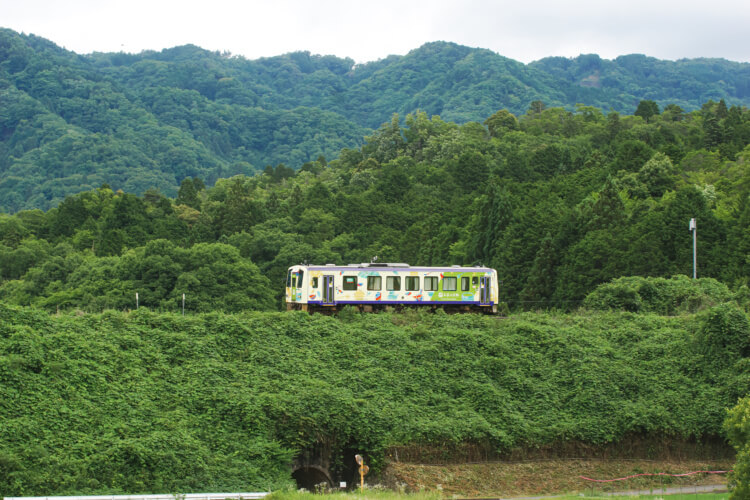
column 69, row 123
column 156, row 402
column 557, row 201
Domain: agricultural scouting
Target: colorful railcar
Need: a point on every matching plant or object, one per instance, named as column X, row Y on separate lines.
column 379, row 286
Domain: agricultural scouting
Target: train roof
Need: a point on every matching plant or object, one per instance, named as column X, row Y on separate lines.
column 391, row 266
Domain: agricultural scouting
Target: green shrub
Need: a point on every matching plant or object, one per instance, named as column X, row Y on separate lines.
column 614, row 296
column 737, row 426
column 348, row 314
column 679, row 294
column 724, row 335
column 742, row 297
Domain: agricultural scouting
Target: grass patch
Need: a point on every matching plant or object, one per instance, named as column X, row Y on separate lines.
column 368, row 493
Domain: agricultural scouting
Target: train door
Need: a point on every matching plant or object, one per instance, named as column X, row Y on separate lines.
column 292, row 284
column 484, row 290
column 328, row 290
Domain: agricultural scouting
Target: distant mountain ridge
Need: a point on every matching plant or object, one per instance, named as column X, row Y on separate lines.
column 70, row 122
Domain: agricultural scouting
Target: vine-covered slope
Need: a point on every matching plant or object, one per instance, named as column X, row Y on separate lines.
column 146, row 402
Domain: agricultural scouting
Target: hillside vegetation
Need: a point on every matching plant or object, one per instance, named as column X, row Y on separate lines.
column 70, row 123
column 558, row 202
column 145, row 402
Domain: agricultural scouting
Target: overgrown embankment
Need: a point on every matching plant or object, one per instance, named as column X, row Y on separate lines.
column 146, row 402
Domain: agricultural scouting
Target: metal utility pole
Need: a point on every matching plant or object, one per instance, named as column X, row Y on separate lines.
column 694, row 229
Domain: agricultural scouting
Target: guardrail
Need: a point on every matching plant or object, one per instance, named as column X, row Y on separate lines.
column 176, row 496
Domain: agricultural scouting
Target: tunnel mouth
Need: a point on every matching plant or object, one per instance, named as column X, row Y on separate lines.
column 311, row 478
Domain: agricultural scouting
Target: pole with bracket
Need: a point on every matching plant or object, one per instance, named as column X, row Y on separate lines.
column 694, row 230
column 363, row 469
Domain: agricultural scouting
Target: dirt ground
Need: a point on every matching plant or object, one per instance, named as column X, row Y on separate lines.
column 541, row 477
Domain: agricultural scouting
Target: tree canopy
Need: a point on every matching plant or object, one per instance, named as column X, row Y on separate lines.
column 559, row 202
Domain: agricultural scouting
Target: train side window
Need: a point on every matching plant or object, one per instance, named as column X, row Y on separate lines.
column 465, row 284
column 299, row 279
column 449, row 284
column 412, row 283
column 430, row 283
column 374, row 283
column 350, row 282
column 393, row 283
column 474, row 281
column 289, row 278
column 314, row 283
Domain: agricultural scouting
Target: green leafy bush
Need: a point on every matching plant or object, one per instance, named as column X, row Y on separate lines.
column 614, row 296
column 724, row 335
column 658, row 295
column 737, row 426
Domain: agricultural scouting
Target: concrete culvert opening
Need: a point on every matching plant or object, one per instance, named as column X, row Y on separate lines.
column 310, row 477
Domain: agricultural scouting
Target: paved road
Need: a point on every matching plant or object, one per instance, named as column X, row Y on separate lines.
column 711, row 488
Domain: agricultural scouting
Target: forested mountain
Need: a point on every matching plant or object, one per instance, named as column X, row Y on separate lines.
column 620, row 84
column 69, row 123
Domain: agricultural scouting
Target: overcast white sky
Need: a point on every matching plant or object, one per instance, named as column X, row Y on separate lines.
column 525, row 30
